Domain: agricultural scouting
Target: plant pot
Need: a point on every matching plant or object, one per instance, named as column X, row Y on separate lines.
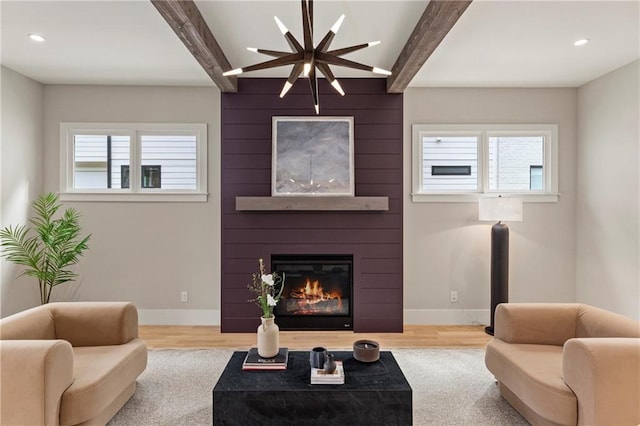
column 268, row 338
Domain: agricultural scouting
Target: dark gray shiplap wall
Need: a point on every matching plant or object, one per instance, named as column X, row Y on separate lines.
column 374, row 238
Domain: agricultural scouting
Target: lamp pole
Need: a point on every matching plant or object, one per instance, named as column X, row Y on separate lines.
column 499, row 209
column 499, row 269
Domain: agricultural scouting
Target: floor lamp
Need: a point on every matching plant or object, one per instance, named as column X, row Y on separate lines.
column 499, row 209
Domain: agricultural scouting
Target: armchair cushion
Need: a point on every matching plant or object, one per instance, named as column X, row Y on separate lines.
column 534, row 373
column 101, row 372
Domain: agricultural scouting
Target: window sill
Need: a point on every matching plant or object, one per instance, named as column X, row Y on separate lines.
column 166, row 197
column 473, row 198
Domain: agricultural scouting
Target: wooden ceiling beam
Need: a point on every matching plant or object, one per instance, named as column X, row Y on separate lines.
column 186, row 21
column 437, row 20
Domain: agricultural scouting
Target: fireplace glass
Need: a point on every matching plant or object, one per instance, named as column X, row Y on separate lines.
column 318, row 292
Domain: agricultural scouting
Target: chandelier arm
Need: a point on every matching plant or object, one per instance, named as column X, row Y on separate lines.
column 313, row 82
column 293, row 43
column 293, row 76
column 307, row 30
column 345, row 50
column 295, row 72
column 326, row 41
column 275, row 53
column 326, row 71
column 279, row 62
column 325, row 58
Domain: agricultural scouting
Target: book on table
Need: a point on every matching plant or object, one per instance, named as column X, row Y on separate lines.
column 321, row 377
column 253, row 361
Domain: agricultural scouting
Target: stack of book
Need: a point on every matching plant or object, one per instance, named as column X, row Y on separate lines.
column 320, row 377
column 253, row 361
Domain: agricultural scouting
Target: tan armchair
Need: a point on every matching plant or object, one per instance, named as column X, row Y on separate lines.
column 567, row 363
column 69, row 363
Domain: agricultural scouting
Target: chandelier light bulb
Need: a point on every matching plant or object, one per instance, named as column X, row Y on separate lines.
column 285, row 89
column 232, row 72
column 336, row 85
column 283, row 29
column 381, row 71
column 337, row 25
column 36, row 37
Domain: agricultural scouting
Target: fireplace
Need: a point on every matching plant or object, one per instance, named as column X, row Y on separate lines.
column 318, row 292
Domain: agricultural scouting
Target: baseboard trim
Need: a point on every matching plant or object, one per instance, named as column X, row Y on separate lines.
column 411, row 316
column 178, row 316
column 447, row 316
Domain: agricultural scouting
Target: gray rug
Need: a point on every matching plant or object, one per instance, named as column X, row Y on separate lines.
column 450, row 387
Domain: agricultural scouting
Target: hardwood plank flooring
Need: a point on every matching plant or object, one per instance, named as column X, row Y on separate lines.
column 414, row 336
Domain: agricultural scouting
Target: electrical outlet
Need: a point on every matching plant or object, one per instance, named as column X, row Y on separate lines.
column 184, row 296
column 454, row 296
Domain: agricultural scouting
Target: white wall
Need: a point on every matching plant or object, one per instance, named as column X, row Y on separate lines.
column 446, row 248
column 20, row 176
column 145, row 252
column 608, row 218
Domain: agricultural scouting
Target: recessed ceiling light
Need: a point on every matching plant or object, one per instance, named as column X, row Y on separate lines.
column 36, row 37
column 581, row 42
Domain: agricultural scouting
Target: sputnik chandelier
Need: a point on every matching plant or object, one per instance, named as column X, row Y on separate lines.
column 307, row 59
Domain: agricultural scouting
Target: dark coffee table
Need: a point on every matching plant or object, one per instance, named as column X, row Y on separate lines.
column 373, row 394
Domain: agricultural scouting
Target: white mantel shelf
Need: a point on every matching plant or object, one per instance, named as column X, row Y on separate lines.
column 286, row 203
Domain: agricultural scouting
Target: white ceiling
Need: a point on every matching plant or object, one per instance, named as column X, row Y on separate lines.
column 495, row 43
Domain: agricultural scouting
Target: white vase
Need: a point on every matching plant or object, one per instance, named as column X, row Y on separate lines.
column 268, row 338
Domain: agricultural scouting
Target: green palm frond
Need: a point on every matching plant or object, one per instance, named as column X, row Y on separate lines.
column 49, row 247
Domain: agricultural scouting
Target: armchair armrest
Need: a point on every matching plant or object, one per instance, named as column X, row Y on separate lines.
column 35, row 373
column 536, row 323
column 604, row 373
column 95, row 323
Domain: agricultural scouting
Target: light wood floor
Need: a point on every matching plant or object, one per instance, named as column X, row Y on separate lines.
column 414, row 336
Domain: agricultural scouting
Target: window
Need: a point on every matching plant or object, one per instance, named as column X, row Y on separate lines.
column 133, row 162
column 510, row 160
column 462, row 162
column 446, row 161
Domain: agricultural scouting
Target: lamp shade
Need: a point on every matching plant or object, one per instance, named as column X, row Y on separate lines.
column 507, row 209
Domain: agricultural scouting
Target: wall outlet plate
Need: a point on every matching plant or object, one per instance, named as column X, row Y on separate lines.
column 454, row 296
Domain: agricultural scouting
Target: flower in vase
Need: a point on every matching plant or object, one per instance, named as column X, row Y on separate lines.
column 268, row 289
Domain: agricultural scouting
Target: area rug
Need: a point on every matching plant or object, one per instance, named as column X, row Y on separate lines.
column 450, row 387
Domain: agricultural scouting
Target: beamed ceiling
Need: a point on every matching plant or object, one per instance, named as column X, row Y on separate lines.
column 483, row 43
column 187, row 22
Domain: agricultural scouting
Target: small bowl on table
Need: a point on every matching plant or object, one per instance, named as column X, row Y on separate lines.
column 366, row 350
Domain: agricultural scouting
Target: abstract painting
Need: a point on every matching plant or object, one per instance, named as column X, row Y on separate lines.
column 312, row 156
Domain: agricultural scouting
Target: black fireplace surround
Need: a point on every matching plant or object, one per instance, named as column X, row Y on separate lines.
column 318, row 291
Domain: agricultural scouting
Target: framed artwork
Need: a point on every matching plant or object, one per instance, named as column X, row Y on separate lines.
column 312, row 156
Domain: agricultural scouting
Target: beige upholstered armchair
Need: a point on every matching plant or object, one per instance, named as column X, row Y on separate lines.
column 567, row 363
column 69, row 363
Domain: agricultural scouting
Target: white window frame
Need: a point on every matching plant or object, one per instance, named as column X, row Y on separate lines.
column 134, row 193
column 484, row 131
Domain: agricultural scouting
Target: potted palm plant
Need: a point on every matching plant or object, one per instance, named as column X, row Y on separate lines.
column 48, row 247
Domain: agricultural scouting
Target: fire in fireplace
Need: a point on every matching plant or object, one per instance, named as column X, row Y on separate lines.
column 317, row 294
